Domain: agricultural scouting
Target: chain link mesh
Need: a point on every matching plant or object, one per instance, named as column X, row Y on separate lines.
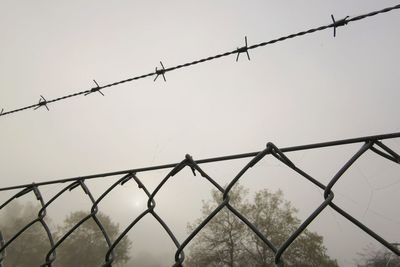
column 372, row 143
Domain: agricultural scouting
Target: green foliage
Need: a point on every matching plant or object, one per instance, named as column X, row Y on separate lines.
column 31, row 247
column 86, row 246
column 227, row 241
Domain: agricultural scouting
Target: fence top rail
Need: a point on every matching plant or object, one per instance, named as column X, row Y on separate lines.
column 210, row 160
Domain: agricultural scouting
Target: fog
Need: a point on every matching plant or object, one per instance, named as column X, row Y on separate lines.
column 309, row 89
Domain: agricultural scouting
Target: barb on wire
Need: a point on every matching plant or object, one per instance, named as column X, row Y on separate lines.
column 160, row 72
column 339, row 23
column 95, row 89
column 236, row 52
column 42, row 103
column 243, row 49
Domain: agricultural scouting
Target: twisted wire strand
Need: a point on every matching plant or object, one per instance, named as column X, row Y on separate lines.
column 334, row 25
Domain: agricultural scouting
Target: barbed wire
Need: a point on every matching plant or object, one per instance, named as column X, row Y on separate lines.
column 371, row 143
column 162, row 71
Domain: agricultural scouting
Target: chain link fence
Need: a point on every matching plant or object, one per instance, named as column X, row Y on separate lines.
column 371, row 143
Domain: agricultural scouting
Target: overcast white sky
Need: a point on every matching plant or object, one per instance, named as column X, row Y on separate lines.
column 309, row 89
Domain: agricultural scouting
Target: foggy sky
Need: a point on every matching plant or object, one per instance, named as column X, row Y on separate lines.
column 305, row 90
